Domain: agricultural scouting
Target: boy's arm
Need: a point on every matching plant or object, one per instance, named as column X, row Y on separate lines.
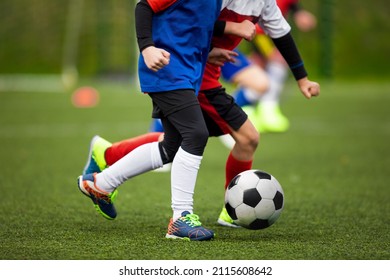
column 290, row 53
column 154, row 58
column 288, row 49
column 245, row 29
column 219, row 56
column 143, row 24
column 219, row 28
column 144, row 12
column 276, row 26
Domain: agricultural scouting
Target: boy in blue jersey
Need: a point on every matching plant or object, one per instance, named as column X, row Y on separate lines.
column 174, row 39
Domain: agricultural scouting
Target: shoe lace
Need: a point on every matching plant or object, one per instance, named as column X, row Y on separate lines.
column 109, row 198
column 192, row 220
column 113, row 195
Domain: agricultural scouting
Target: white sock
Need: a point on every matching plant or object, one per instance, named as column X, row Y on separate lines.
column 251, row 95
column 277, row 74
column 184, row 172
column 142, row 159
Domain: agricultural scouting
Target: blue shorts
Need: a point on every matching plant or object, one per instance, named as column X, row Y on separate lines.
column 229, row 69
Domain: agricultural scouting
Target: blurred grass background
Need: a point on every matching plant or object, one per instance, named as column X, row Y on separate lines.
column 97, row 36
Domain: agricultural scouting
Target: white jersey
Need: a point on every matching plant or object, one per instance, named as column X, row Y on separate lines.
column 264, row 12
column 270, row 17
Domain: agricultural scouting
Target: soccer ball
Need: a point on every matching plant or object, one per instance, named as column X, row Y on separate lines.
column 254, row 199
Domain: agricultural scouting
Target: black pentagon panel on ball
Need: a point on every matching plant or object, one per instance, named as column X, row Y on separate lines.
column 233, row 182
column 259, row 224
column 262, row 175
column 231, row 211
column 251, row 197
column 278, row 200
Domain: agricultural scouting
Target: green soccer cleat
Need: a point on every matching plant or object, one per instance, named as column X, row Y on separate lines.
column 188, row 227
column 96, row 161
column 269, row 118
column 225, row 220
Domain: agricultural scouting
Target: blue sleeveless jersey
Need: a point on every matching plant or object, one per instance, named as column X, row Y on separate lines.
column 184, row 30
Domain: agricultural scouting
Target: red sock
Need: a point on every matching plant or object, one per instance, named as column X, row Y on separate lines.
column 119, row 149
column 234, row 167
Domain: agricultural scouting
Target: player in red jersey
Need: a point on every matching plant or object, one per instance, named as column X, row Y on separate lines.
column 265, row 113
column 222, row 109
column 221, row 113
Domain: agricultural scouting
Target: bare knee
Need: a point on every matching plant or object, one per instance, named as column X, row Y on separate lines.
column 247, row 140
column 252, row 139
column 254, row 78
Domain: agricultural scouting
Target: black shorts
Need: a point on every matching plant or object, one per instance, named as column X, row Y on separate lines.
column 220, row 111
column 183, row 122
column 168, row 102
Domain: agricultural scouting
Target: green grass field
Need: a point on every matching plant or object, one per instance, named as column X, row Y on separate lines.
column 334, row 166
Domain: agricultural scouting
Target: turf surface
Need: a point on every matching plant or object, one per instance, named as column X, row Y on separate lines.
column 333, row 165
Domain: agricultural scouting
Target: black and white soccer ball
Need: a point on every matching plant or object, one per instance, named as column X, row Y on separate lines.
column 254, row 199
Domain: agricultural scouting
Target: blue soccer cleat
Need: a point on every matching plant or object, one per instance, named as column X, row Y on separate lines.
column 188, row 227
column 103, row 201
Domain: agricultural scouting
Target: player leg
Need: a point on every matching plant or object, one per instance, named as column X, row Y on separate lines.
column 187, row 122
column 156, row 126
column 224, row 116
column 251, row 80
column 103, row 153
column 267, row 116
column 102, row 187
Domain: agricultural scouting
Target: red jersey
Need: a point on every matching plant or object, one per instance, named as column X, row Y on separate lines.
column 264, row 11
column 160, row 5
column 285, row 5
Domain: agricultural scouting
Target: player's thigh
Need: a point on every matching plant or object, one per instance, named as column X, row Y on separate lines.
column 221, row 113
column 167, row 102
column 253, row 77
column 182, row 120
column 190, row 123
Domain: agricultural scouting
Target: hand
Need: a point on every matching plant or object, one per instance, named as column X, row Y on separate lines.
column 308, row 88
column 155, row 58
column 219, row 56
column 245, row 29
column 305, row 21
